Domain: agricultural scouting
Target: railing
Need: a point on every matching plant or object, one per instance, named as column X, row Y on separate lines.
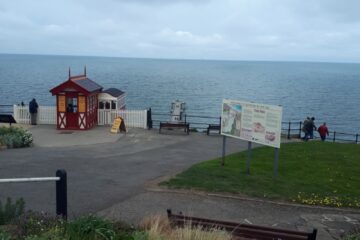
column 294, row 130
column 6, row 109
column 197, row 122
column 289, row 129
column 47, row 115
column 61, row 188
column 132, row 118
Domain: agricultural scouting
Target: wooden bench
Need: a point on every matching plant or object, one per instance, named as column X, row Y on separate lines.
column 185, row 126
column 239, row 230
column 216, row 127
column 7, row 118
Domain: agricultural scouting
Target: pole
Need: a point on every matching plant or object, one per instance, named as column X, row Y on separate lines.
column 223, row 151
column 276, row 162
column 288, row 136
column 357, row 136
column 334, row 136
column 61, row 194
column 300, row 124
column 248, row 158
column 220, row 125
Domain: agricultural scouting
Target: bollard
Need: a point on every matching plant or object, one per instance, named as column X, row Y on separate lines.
column 61, row 194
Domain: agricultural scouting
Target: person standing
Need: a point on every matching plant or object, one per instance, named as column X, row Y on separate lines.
column 312, row 127
column 33, row 109
column 305, row 129
column 323, row 131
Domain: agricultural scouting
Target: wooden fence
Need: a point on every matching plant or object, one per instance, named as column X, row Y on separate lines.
column 47, row 115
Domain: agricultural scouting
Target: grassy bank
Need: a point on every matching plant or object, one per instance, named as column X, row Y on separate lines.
column 316, row 173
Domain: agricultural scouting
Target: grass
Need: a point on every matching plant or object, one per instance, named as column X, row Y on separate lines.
column 315, row 173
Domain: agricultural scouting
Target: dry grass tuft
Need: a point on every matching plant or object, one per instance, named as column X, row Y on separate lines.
column 158, row 227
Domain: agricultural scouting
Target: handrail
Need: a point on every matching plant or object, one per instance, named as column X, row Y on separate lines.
column 39, row 179
column 61, row 188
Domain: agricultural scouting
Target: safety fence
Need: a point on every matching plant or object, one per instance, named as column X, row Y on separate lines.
column 60, row 187
column 47, row 115
column 290, row 129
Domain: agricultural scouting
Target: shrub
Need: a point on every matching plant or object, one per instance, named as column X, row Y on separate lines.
column 4, row 236
column 15, row 137
column 10, row 211
column 37, row 223
column 90, row 228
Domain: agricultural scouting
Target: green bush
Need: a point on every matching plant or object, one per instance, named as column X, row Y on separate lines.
column 37, row 223
column 90, row 228
column 4, row 236
column 15, row 137
column 10, row 210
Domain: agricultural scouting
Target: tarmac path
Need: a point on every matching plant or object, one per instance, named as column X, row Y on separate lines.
column 113, row 176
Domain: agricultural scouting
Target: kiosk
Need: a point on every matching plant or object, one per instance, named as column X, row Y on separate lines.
column 76, row 103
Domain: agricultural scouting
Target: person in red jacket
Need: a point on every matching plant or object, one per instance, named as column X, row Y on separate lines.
column 323, row 131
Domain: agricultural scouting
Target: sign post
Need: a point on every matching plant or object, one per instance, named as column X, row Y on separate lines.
column 248, row 159
column 223, row 151
column 252, row 122
column 276, row 162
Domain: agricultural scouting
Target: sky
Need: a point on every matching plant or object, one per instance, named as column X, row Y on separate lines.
column 271, row 30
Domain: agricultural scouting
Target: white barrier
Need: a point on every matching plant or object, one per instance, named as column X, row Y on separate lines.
column 47, row 115
column 132, row 118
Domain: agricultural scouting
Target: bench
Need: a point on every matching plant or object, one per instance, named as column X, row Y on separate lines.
column 239, row 230
column 7, row 118
column 185, row 126
column 216, row 127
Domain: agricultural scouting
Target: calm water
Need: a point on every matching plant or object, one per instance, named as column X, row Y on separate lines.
column 328, row 91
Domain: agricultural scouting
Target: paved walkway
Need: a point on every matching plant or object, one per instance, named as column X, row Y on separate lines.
column 113, row 175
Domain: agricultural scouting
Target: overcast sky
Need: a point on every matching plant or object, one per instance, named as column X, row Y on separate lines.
column 285, row 30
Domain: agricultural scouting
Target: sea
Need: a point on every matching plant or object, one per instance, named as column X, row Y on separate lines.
column 327, row 91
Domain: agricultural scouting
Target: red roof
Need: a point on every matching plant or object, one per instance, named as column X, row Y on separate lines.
column 79, row 83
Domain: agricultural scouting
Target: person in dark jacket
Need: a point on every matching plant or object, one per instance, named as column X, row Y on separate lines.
column 33, row 109
column 312, row 127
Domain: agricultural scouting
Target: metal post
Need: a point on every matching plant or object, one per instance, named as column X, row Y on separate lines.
column 276, row 162
column 334, row 136
column 220, row 125
column 357, row 136
column 149, row 119
column 223, row 151
column 300, row 124
column 61, row 194
column 185, row 118
column 288, row 136
column 248, row 158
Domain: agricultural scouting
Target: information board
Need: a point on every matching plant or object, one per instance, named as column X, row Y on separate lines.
column 254, row 122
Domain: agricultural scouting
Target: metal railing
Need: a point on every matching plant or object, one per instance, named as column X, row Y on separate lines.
column 290, row 129
column 6, row 109
column 294, row 130
column 61, row 188
column 196, row 121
